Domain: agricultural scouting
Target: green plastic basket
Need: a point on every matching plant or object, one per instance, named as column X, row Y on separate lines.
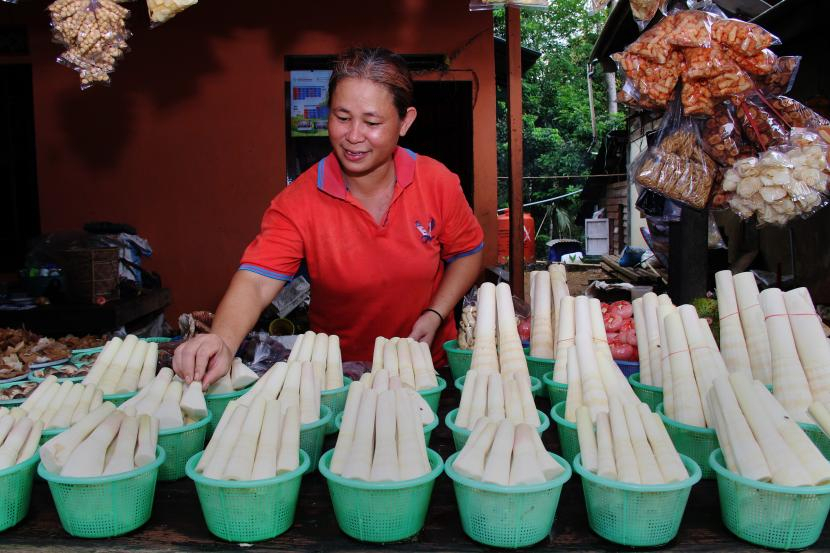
column 381, row 512
column 252, row 510
column 118, row 399
column 556, row 392
column 336, row 401
column 568, row 439
column 459, row 359
column 338, row 422
column 216, row 404
column 40, row 379
column 312, row 436
column 535, row 384
column 510, row 517
column 433, row 395
column 105, row 506
column 636, row 515
column 769, row 515
column 650, row 395
column 818, row 437
column 180, row 444
column 538, row 368
column 460, row 434
column 695, row 441
column 16, row 491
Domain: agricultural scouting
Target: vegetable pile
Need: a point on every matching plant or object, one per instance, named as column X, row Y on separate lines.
column 167, row 400
column 381, row 437
column 496, row 396
column 19, row 437
column 407, row 359
column 323, row 351
column 124, row 366
column 506, row 454
column 620, row 330
column 60, row 404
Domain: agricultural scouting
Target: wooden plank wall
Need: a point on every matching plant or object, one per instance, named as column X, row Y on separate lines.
column 615, row 203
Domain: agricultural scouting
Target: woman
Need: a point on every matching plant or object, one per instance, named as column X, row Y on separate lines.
column 390, row 242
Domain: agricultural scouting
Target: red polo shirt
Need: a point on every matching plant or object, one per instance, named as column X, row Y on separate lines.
column 368, row 280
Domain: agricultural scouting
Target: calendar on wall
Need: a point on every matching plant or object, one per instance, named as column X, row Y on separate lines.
column 309, row 103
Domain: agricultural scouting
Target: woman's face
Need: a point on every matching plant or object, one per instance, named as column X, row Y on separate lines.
column 364, row 125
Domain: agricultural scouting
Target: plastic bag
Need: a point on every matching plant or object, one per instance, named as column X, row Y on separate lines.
column 629, row 95
column 705, row 63
column 782, row 77
column 782, row 183
column 655, row 80
column 596, row 6
column 794, row 113
column 653, row 44
column 644, row 11
column 697, row 99
column 722, row 138
column 715, row 239
column 690, row 29
column 730, row 83
column 95, row 36
column 762, row 126
column 742, row 37
column 163, row 10
column 677, row 167
column 761, row 63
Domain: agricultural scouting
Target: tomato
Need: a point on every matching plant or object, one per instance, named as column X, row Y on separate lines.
column 622, row 352
column 621, row 309
column 628, row 324
column 603, row 307
column 524, row 329
column 612, row 336
column 612, row 323
column 632, row 337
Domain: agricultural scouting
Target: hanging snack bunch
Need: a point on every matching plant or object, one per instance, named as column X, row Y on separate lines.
column 163, row 10
column 95, row 35
column 677, row 167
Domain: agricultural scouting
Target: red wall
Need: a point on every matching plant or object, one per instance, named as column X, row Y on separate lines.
column 187, row 144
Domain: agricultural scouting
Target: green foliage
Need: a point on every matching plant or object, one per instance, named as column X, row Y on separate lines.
column 558, row 139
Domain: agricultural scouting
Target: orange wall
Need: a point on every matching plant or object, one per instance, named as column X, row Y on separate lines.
column 188, row 143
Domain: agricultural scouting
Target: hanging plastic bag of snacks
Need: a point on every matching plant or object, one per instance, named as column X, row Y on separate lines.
column 742, row 37
column 782, row 77
column 163, row 10
column 644, row 11
column 677, row 167
column 761, row 123
column 794, row 113
column 722, row 137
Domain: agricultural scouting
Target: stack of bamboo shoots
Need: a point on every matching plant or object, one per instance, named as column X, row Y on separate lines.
column 651, row 341
column 168, row 400
column 591, row 374
column 745, row 344
column 629, row 444
column 106, row 441
column 253, row 441
column 467, row 327
column 19, row 437
column 506, row 454
column 690, row 362
column 323, row 351
column 799, row 351
column 759, row 439
column 123, row 366
column 381, row 437
column 547, row 288
column 407, row 359
column 239, row 376
column 497, row 397
column 59, row 404
column 495, row 310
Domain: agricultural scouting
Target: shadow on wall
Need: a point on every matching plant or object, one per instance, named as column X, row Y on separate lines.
column 165, row 65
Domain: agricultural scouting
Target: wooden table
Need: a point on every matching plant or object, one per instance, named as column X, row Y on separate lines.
column 177, row 524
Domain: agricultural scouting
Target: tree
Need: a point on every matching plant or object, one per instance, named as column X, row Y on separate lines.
column 556, row 114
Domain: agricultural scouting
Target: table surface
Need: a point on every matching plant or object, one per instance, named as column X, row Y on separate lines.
column 177, row 523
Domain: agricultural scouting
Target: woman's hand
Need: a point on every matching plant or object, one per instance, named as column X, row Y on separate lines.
column 204, row 357
column 425, row 327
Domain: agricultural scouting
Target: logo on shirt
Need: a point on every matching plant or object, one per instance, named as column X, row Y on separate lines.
column 426, row 233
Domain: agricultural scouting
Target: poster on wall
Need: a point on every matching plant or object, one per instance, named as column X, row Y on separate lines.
column 309, row 109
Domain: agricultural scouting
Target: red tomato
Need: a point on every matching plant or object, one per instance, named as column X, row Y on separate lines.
column 632, row 337
column 621, row 309
column 612, row 336
column 628, row 324
column 524, row 329
column 622, row 352
column 603, row 307
column 612, row 323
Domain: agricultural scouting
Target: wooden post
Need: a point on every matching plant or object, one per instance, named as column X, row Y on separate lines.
column 688, row 251
column 515, row 151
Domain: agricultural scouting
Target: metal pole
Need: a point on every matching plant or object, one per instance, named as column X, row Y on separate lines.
column 515, row 151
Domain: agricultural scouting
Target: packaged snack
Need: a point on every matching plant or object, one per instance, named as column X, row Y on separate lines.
column 761, row 63
column 722, row 138
column 690, row 29
column 655, row 80
column 761, row 125
column 729, row 84
column 742, row 37
column 644, row 11
column 702, row 63
column 653, row 44
column 794, row 113
column 696, row 98
column 782, row 77
column 164, row 10
column 628, row 95
column 595, row 6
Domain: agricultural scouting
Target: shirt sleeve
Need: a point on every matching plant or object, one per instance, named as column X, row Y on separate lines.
column 277, row 250
column 461, row 234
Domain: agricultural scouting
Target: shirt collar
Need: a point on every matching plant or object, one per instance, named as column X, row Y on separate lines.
column 330, row 177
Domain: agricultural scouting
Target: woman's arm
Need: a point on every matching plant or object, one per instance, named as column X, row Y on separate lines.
column 207, row 357
column 458, row 278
